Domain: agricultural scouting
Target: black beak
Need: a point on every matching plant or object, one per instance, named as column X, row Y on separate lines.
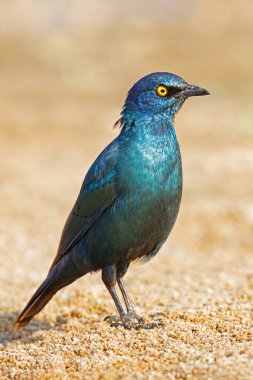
column 191, row 90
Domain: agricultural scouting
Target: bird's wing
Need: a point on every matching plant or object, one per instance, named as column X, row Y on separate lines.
column 98, row 192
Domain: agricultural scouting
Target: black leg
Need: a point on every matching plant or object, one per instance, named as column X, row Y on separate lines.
column 128, row 303
column 109, row 276
column 131, row 313
column 109, row 279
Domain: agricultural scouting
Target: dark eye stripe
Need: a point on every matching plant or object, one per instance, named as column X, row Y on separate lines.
column 173, row 91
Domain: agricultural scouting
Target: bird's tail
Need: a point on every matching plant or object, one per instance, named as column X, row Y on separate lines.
column 40, row 298
column 58, row 277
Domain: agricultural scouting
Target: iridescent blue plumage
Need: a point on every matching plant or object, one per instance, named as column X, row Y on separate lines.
column 130, row 196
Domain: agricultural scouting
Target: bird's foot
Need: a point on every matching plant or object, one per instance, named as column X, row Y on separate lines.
column 130, row 324
column 112, row 319
column 132, row 315
column 129, row 317
column 131, row 320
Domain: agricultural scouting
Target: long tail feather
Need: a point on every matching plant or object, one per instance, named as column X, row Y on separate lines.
column 40, row 298
column 62, row 274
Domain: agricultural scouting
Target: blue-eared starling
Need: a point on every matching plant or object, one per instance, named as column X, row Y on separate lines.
column 129, row 199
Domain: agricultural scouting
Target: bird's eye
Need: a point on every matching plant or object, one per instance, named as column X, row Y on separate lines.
column 165, row 91
column 162, row 90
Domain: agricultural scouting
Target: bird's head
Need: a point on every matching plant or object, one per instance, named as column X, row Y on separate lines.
column 159, row 94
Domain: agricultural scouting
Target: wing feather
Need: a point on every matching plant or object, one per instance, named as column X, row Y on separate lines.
column 98, row 192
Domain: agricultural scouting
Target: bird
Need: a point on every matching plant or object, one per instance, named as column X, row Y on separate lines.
column 129, row 200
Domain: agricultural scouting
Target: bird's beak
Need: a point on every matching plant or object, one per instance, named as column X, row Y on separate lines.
column 191, row 90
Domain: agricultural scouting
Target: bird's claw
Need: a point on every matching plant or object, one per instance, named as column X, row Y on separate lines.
column 131, row 321
column 131, row 315
column 112, row 319
column 128, row 323
column 125, row 319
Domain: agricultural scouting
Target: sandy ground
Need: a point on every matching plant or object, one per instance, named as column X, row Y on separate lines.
column 59, row 99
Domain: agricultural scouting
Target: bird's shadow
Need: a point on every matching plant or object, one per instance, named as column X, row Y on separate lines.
column 30, row 334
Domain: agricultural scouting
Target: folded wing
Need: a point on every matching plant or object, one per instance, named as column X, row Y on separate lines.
column 98, row 193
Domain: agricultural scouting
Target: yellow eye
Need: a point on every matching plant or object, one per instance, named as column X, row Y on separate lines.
column 162, row 90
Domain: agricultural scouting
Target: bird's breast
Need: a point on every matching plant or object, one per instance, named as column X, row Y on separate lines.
column 152, row 168
column 152, row 188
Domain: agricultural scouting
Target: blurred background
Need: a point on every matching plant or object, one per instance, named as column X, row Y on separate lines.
column 65, row 69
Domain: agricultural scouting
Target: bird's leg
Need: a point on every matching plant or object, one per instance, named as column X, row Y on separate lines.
column 131, row 313
column 109, row 276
